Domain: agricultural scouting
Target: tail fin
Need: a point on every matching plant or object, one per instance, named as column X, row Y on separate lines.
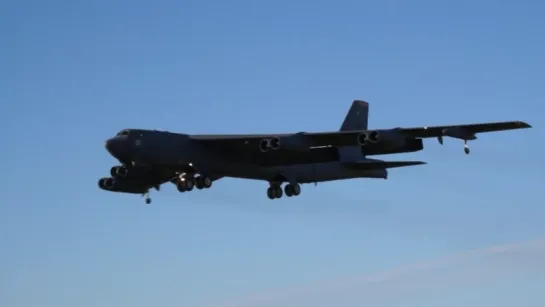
column 357, row 116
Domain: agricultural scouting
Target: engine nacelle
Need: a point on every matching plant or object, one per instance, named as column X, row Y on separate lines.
column 119, row 171
column 384, row 138
column 274, row 143
column 106, row 183
column 365, row 138
column 113, row 171
column 113, row 185
column 266, row 144
column 373, row 136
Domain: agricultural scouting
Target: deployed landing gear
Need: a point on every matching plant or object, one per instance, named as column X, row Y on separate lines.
column 203, row 182
column 275, row 190
column 187, row 183
column 462, row 136
column 292, row 189
column 148, row 198
column 466, row 147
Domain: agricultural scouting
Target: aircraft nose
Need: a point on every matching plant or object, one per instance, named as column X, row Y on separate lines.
column 115, row 147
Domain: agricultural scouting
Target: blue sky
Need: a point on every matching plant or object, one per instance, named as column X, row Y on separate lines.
column 76, row 72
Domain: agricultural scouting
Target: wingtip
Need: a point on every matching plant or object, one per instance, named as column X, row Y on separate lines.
column 524, row 124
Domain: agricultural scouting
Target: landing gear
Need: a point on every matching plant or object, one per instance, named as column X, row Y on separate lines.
column 462, row 136
column 466, row 147
column 148, row 198
column 292, row 189
column 275, row 190
column 203, row 182
column 187, row 183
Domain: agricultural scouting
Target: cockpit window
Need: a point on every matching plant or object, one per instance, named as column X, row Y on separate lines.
column 124, row 132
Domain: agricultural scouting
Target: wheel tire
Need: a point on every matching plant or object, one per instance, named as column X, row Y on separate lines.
column 278, row 192
column 181, row 185
column 270, row 193
column 288, row 190
column 207, row 182
column 296, row 190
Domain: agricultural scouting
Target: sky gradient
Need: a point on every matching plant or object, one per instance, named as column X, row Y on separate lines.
column 74, row 73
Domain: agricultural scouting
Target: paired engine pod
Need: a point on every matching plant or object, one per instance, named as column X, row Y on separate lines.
column 373, row 136
column 365, row 138
column 264, row 145
column 106, row 183
column 274, row 143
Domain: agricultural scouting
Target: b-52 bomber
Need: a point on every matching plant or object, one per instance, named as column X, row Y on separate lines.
column 150, row 158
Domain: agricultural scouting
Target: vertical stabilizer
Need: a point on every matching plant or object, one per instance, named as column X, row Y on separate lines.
column 357, row 116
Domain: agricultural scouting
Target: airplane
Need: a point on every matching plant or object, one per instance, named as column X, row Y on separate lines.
column 150, row 158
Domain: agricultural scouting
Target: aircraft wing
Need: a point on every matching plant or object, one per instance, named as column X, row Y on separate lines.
column 302, row 141
column 299, row 140
column 462, row 131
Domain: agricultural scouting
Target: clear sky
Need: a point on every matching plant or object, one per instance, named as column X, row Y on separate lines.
column 73, row 73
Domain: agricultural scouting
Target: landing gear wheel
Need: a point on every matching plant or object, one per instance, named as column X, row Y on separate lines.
column 274, row 192
column 288, row 189
column 181, row 186
column 203, row 182
column 185, row 185
column 207, row 182
column 466, row 148
column 292, row 189
column 296, row 190
column 148, row 198
column 270, row 193
column 189, row 184
column 278, row 192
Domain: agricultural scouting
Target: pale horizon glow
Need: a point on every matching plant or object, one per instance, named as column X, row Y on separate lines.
column 467, row 268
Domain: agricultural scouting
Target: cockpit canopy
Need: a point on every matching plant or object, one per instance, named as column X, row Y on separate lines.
column 123, row 132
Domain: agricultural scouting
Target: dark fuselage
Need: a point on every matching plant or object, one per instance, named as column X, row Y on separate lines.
column 176, row 151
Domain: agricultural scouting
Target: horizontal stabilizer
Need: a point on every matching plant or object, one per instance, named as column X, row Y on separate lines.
column 373, row 164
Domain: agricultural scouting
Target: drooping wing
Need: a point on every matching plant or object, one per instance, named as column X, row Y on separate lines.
column 469, row 130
